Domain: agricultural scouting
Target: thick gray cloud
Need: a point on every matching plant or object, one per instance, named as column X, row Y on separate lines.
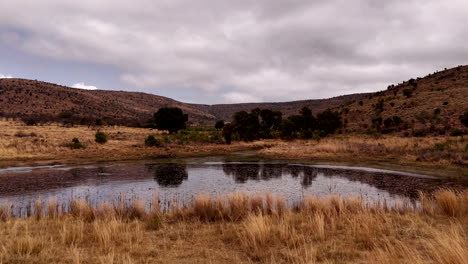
column 238, row 51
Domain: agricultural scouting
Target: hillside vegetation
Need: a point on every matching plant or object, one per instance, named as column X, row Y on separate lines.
column 420, row 106
column 50, row 102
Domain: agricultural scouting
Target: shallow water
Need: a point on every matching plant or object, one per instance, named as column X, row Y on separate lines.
column 179, row 181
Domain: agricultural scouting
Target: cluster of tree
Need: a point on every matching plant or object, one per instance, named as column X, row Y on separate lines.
column 265, row 123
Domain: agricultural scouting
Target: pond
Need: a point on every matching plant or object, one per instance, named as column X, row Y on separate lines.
column 178, row 181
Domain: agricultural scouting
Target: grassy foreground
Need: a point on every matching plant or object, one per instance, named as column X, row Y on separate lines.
column 242, row 229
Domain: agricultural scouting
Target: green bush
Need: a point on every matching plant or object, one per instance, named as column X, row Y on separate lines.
column 439, row 146
column 100, row 137
column 151, row 141
column 76, row 144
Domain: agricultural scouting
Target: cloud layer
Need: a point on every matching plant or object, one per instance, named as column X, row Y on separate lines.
column 239, row 50
column 81, row 85
column 5, row 76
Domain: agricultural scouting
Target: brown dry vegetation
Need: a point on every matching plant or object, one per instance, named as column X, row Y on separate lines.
column 442, row 152
column 19, row 142
column 243, row 229
column 23, row 98
column 436, row 102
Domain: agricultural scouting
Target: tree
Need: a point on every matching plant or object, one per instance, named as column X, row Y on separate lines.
column 287, row 129
column 329, row 121
column 219, row 124
column 228, row 129
column 309, row 120
column 271, row 120
column 171, row 119
column 246, row 125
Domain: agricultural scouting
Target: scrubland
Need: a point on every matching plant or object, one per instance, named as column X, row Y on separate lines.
column 19, row 142
column 242, row 229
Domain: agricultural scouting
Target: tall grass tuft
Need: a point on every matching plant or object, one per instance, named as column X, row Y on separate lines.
column 52, row 209
column 239, row 206
column 5, row 213
column 38, row 207
column 447, row 202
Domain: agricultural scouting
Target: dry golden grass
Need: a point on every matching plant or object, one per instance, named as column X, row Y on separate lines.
column 444, row 152
column 49, row 142
column 243, row 229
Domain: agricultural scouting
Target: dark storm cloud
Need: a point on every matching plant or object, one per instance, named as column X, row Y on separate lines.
column 237, row 51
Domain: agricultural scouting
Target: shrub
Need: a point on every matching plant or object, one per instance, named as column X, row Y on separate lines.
column 408, row 92
column 30, row 121
column 151, row 141
column 76, row 144
column 379, row 107
column 464, row 119
column 65, row 115
column 439, row 146
column 100, row 137
column 420, row 133
column 457, row 132
column 219, row 124
column 23, row 134
column 98, row 122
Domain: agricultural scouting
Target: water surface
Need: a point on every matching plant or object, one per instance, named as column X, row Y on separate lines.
column 179, row 181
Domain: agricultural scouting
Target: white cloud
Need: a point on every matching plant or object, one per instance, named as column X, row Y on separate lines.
column 257, row 50
column 81, row 85
column 235, row 97
column 5, row 76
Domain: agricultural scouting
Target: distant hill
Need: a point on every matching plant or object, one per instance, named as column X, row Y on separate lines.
column 433, row 103
column 427, row 105
column 47, row 101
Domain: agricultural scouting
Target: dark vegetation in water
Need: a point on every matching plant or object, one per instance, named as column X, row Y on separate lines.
column 169, row 175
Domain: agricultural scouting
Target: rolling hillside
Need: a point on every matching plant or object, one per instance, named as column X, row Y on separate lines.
column 433, row 103
column 428, row 105
column 26, row 98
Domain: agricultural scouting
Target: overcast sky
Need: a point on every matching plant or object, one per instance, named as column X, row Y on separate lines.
column 215, row 51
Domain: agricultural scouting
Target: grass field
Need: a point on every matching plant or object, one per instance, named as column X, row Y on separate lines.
column 242, row 229
column 443, row 155
column 19, row 142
